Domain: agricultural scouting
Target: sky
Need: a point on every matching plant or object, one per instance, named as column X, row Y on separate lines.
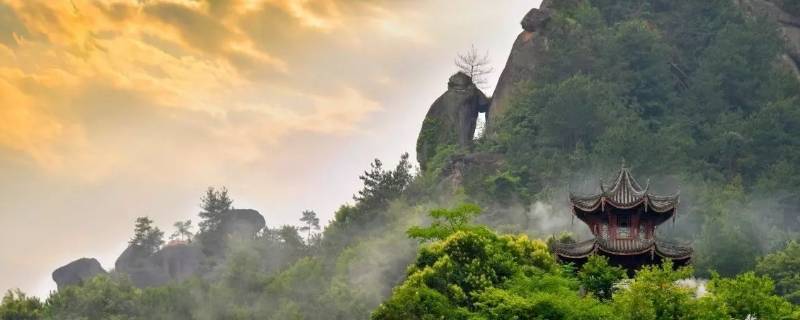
column 112, row 109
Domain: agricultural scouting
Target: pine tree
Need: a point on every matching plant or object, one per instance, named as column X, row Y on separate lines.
column 311, row 221
column 147, row 238
column 214, row 203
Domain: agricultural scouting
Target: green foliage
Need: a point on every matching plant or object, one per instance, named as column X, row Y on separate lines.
column 147, row 239
column 101, row 297
column 183, row 231
column 311, row 221
column 783, row 267
column 463, row 276
column 750, row 295
column 728, row 244
column 18, row 306
column 446, row 222
column 598, row 277
column 380, row 186
column 213, row 204
column 655, row 294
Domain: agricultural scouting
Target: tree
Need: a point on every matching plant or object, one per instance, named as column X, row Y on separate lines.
column 311, row 221
column 446, row 222
column 183, row 231
column 16, row 305
column 146, row 238
column 474, row 65
column 214, row 203
column 749, row 296
column 598, row 277
column 381, row 186
column 102, row 297
column 783, row 267
column 289, row 236
column 655, row 294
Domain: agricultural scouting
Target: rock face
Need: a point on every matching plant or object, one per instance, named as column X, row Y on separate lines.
column 179, row 261
column 452, row 118
column 244, row 223
column 789, row 27
column 172, row 263
column 524, row 58
column 140, row 268
column 76, row 272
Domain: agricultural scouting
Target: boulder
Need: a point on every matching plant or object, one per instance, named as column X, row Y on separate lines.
column 526, row 55
column 452, row 118
column 535, row 19
column 140, row 268
column 174, row 262
column 244, row 223
column 179, row 261
column 77, row 272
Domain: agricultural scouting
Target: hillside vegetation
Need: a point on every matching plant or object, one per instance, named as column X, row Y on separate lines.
column 693, row 94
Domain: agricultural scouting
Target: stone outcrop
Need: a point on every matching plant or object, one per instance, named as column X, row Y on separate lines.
column 172, row 263
column 789, row 27
column 525, row 56
column 140, row 268
column 452, row 118
column 179, row 261
column 77, row 272
column 245, row 223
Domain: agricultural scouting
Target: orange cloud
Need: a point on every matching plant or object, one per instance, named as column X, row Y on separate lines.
column 174, row 58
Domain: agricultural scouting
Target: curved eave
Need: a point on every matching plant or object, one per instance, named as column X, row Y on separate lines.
column 659, row 204
column 581, row 250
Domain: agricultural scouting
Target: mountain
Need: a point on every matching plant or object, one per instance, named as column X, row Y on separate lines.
column 700, row 96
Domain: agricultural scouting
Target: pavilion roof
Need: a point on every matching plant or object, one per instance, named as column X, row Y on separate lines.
column 623, row 247
column 625, row 193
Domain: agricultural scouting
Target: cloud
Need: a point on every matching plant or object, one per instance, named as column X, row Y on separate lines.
column 112, row 109
column 73, row 74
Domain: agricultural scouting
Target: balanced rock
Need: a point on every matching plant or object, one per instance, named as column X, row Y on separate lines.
column 452, row 118
column 244, row 223
column 77, row 272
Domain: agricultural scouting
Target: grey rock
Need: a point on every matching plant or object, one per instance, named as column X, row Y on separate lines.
column 77, row 272
column 526, row 56
column 536, row 19
column 174, row 262
column 244, row 223
column 179, row 261
column 140, row 268
column 452, row 118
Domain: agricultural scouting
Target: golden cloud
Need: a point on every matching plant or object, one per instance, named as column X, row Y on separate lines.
column 206, row 63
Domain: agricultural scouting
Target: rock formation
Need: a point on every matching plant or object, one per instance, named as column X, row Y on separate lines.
column 77, row 272
column 452, row 118
column 245, row 223
column 140, row 268
column 789, row 27
column 173, row 262
column 524, row 58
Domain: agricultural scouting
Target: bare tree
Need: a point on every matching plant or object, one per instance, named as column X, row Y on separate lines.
column 475, row 65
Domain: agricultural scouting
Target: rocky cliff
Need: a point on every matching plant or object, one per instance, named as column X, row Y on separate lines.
column 522, row 62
